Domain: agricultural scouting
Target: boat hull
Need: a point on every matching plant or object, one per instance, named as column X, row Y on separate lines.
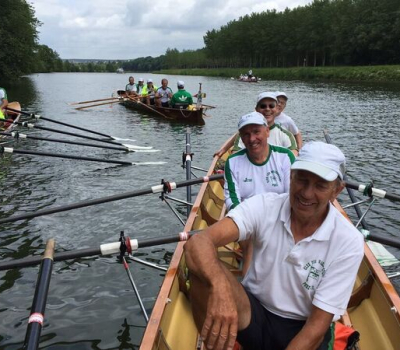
column 373, row 309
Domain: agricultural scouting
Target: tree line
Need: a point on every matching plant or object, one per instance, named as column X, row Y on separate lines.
column 323, row 33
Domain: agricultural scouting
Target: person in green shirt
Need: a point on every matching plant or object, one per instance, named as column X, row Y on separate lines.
column 181, row 98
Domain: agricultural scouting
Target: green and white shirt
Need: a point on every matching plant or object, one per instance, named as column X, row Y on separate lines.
column 244, row 179
column 181, row 97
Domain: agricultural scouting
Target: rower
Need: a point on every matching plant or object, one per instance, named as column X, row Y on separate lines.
column 149, row 92
column 140, row 86
column 130, row 88
column 163, row 94
column 285, row 121
column 181, row 98
column 306, row 258
column 3, row 105
column 257, row 168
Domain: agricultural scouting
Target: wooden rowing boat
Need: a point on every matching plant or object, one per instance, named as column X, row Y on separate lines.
column 7, row 126
column 192, row 116
column 373, row 308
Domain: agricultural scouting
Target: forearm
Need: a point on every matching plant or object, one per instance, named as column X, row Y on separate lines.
column 299, row 140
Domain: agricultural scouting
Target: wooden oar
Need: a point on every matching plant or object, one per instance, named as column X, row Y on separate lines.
column 208, row 106
column 167, row 187
column 38, row 116
column 103, row 249
column 36, row 317
column 17, row 135
column 69, row 156
column 148, row 107
column 33, row 126
column 99, row 100
column 98, row 104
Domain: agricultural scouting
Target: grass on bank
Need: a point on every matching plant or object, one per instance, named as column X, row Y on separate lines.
column 363, row 73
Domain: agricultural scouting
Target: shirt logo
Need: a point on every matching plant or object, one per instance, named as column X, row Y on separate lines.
column 315, row 270
column 183, row 98
column 247, row 180
column 274, row 178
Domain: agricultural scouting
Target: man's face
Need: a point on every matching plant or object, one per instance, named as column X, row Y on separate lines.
column 140, row 83
column 268, row 108
column 131, row 81
column 281, row 104
column 255, row 139
column 310, row 195
column 164, row 83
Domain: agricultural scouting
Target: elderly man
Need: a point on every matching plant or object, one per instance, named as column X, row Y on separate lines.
column 130, row 88
column 306, row 257
column 149, row 92
column 181, row 98
column 3, row 102
column 163, row 94
column 285, row 121
column 257, row 168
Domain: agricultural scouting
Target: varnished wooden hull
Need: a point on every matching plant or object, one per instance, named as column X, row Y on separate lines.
column 171, row 326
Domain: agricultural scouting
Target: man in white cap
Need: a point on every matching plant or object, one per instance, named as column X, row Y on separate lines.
column 306, row 257
column 257, row 168
column 3, row 103
column 181, row 98
column 285, row 121
column 140, row 86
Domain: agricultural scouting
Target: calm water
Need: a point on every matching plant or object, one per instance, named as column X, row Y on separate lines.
column 91, row 304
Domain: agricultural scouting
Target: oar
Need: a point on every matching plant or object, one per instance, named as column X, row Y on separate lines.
column 207, row 106
column 33, row 126
column 375, row 192
column 17, row 135
column 98, row 104
column 36, row 317
column 103, row 249
column 98, row 100
column 37, row 116
column 148, row 107
column 166, row 186
column 69, row 156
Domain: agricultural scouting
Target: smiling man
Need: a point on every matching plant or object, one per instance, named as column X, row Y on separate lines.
column 306, row 257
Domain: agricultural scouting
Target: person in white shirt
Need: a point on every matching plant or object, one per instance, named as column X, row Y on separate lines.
column 305, row 261
column 285, row 121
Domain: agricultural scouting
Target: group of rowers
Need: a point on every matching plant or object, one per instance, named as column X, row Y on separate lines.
column 160, row 96
column 301, row 256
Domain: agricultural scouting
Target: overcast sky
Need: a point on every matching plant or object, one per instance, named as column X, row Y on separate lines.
column 124, row 29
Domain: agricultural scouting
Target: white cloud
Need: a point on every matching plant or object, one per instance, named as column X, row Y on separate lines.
column 123, row 29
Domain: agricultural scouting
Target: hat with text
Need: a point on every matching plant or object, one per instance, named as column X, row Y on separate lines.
column 141, row 79
column 322, row 159
column 181, row 83
column 251, row 118
column 280, row 94
column 268, row 94
column 149, row 80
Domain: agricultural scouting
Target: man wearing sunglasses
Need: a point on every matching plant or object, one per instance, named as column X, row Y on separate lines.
column 285, row 121
column 257, row 168
column 267, row 105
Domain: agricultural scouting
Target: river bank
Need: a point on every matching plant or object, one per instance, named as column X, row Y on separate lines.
column 354, row 74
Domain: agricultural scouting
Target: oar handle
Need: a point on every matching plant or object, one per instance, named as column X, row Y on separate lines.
column 18, row 111
column 375, row 192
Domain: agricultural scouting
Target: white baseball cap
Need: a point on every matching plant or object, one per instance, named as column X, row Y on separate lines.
column 267, row 94
column 149, row 80
column 181, row 83
column 322, row 159
column 251, row 118
column 141, row 79
column 281, row 93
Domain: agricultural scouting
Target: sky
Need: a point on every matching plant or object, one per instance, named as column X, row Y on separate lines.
column 128, row 29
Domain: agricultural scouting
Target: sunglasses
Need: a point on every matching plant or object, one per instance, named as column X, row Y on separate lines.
column 264, row 105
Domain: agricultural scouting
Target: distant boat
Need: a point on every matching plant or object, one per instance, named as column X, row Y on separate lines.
column 120, row 70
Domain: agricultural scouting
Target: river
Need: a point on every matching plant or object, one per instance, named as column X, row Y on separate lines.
column 91, row 304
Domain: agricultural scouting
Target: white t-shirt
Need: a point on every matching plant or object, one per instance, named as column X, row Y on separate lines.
column 288, row 123
column 244, row 179
column 289, row 278
column 281, row 137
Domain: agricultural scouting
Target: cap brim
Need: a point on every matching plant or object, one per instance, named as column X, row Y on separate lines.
column 317, row 169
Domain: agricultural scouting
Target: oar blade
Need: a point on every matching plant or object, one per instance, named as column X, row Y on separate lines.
column 134, row 147
column 148, row 163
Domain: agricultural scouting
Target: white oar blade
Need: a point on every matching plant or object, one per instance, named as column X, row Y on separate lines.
column 148, row 163
column 136, row 147
column 144, row 150
column 120, row 139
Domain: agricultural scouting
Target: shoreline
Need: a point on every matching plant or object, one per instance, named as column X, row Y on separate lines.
column 350, row 74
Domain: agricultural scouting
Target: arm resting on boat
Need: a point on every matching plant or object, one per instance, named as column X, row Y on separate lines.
column 313, row 332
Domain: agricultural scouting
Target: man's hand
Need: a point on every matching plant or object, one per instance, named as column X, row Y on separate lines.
column 220, row 326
